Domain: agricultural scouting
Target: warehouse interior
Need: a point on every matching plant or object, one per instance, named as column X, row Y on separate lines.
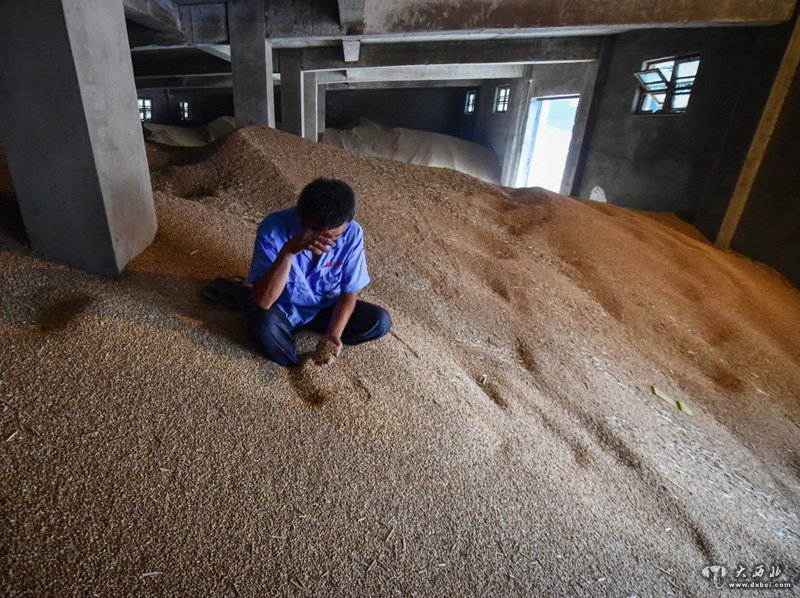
column 591, row 384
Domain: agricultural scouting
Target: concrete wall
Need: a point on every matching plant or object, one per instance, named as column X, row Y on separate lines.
column 497, row 130
column 758, row 75
column 440, row 110
column 204, row 106
column 504, row 132
column 769, row 230
column 662, row 162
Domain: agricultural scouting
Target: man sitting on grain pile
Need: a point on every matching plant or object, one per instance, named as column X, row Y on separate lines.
column 307, row 269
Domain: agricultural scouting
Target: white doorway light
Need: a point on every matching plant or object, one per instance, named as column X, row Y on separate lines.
column 546, row 143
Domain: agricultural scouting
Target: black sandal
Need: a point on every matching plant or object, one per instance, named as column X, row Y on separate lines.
column 231, row 291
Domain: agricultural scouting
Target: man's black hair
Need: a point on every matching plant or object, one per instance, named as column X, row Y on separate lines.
column 326, row 203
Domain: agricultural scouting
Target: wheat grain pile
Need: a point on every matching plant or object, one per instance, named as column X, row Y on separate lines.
column 502, row 440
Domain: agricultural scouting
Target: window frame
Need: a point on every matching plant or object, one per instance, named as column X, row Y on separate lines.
column 471, row 101
column 501, row 104
column 670, row 88
column 145, row 109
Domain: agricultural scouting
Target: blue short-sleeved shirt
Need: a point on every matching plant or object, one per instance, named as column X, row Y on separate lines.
column 314, row 282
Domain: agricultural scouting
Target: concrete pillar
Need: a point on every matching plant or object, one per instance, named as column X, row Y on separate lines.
column 517, row 111
column 251, row 63
column 69, row 124
column 310, row 106
column 291, row 92
column 320, row 108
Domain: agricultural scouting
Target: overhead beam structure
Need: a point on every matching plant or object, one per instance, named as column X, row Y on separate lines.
column 407, row 16
column 221, row 51
column 433, row 72
column 541, row 50
column 334, row 80
column 159, row 15
column 211, row 81
column 398, row 84
column 412, row 21
column 444, row 55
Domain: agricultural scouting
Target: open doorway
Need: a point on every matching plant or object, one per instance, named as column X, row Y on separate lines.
column 548, row 133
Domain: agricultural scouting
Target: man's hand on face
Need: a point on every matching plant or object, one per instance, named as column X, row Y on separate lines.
column 318, row 242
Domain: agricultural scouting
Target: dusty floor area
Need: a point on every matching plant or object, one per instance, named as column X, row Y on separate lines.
column 502, row 440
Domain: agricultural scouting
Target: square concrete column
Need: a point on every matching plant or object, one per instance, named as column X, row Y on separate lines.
column 251, row 62
column 69, row 123
column 291, row 92
column 310, row 106
column 320, row 108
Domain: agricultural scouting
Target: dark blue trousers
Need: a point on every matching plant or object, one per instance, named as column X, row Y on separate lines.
column 271, row 329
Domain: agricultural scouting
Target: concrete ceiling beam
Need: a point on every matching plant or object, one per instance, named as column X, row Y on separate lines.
column 441, row 61
column 222, row 51
column 224, row 81
column 404, row 16
column 342, row 86
column 197, row 24
column 159, row 15
column 473, row 83
column 191, row 81
column 302, row 24
column 541, row 50
column 437, row 73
